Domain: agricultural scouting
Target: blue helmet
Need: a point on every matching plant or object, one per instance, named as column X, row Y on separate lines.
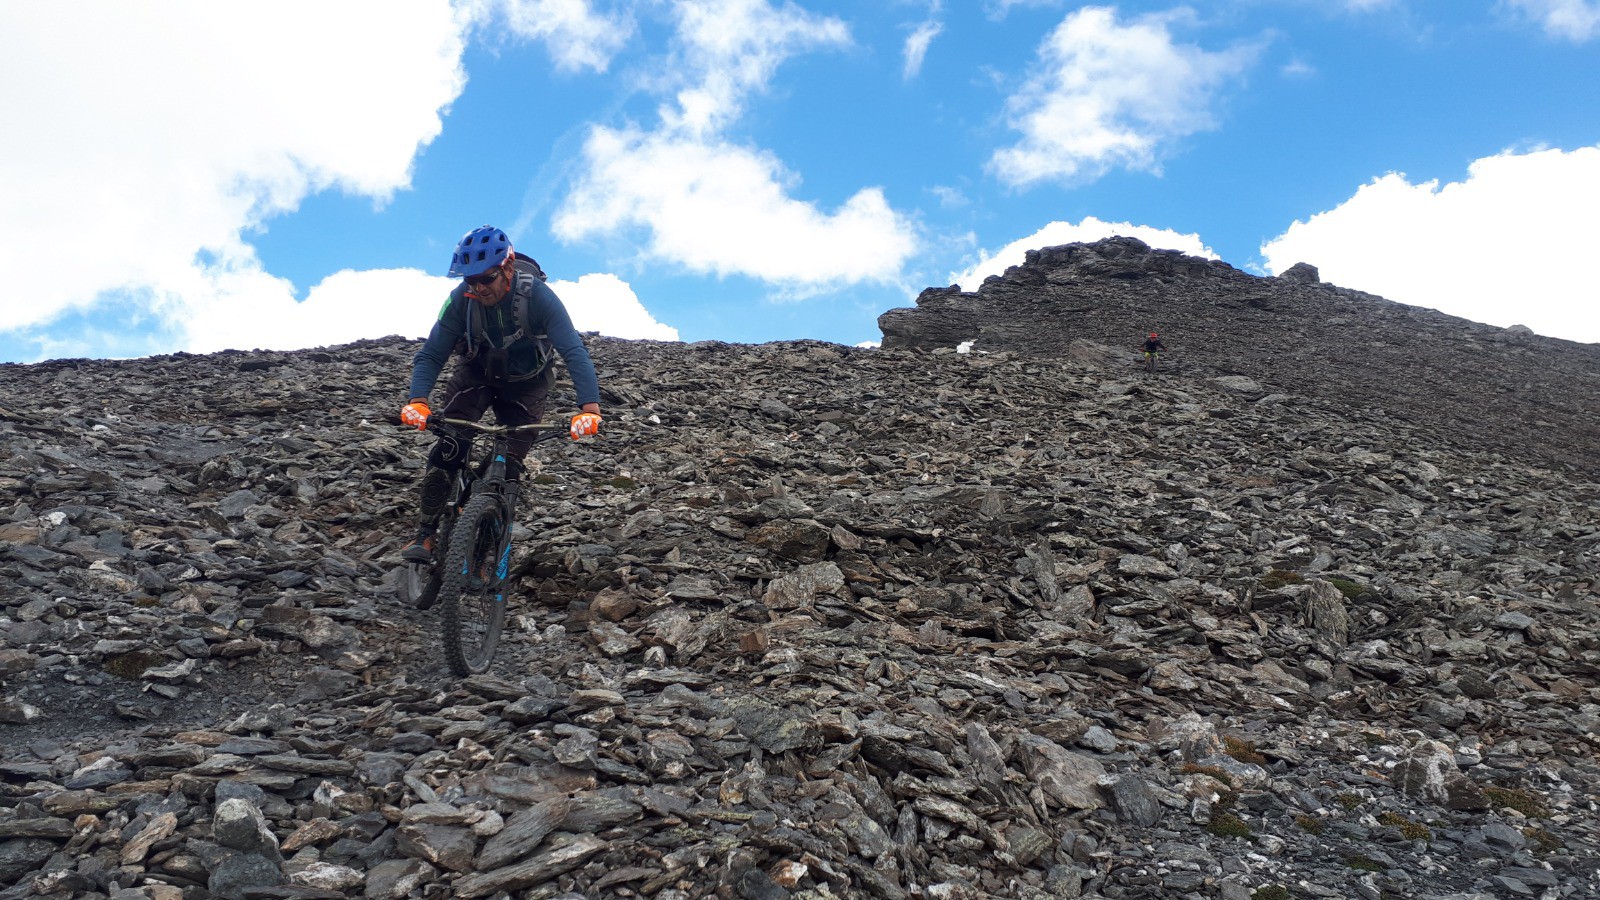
column 480, row 250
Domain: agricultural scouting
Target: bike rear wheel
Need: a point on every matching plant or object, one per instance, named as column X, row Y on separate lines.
column 472, row 594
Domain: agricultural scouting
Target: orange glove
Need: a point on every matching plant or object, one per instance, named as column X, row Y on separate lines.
column 416, row 413
column 585, row 424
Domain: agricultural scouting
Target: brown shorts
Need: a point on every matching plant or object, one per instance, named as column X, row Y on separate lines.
column 468, row 395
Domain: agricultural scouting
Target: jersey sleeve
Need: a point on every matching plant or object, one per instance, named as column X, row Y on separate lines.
column 435, row 352
column 557, row 326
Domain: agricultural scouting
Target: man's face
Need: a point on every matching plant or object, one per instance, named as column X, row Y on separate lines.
column 491, row 287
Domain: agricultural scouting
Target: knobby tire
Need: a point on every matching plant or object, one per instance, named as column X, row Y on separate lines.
column 418, row 584
column 472, row 609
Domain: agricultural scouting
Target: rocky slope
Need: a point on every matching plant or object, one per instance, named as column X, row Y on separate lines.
column 806, row 621
column 1505, row 390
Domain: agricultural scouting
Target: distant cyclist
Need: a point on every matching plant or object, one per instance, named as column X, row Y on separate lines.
column 504, row 321
column 1152, row 348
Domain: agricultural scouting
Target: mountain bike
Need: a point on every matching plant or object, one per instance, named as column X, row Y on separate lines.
column 472, row 552
column 1150, row 361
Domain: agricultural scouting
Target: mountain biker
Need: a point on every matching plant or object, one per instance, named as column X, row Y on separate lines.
column 1152, row 346
column 503, row 320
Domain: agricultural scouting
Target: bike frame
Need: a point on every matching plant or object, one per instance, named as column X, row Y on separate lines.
column 490, row 475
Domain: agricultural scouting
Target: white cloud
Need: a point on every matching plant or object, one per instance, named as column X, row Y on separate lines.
column 949, row 197
column 1298, row 68
column 607, row 304
column 576, row 36
column 916, row 48
column 162, row 146
column 721, row 209
column 1089, row 230
column 731, row 49
column 1105, row 94
column 170, row 134
column 711, row 204
column 248, row 309
column 245, row 308
column 1574, row 20
column 1504, row 247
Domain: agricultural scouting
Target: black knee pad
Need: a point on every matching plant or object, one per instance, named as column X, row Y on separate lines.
column 449, row 454
column 435, row 488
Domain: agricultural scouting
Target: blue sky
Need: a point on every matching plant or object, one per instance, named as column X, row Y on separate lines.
column 201, row 175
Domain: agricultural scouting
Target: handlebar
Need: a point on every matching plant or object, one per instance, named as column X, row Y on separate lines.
column 543, row 431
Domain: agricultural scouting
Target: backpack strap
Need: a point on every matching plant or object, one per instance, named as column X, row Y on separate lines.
column 522, row 298
column 526, row 269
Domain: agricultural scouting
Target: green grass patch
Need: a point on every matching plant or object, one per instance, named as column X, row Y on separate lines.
column 1350, row 589
column 1278, row 578
column 622, row 483
column 1411, row 831
column 1310, row 824
column 1364, row 864
column 1213, row 771
column 1271, row 892
column 1543, row 841
column 1349, row 801
column 544, row 479
column 1242, row 750
column 1521, row 801
column 1228, row 825
column 132, row 665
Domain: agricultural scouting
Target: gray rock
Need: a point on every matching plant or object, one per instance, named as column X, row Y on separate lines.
column 1132, row 800
column 243, row 872
column 1302, row 272
column 903, row 640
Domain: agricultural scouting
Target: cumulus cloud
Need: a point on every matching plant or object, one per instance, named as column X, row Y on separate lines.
column 605, row 303
column 711, row 204
column 159, row 146
column 154, row 156
column 730, row 49
column 159, row 143
column 1503, row 246
column 1104, row 94
column 1573, row 20
column 248, row 308
column 717, row 208
column 576, row 35
column 1090, row 229
column 242, row 307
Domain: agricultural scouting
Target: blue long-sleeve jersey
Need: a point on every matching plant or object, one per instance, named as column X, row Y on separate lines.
column 525, row 357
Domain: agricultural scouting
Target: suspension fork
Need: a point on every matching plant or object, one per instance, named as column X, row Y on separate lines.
column 505, row 494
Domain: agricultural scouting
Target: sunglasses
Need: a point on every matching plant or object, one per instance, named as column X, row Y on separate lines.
column 483, row 281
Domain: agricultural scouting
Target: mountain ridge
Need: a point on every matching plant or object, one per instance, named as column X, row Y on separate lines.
column 1292, row 332
column 805, row 621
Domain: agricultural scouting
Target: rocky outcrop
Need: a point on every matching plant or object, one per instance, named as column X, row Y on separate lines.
column 806, row 621
column 1500, row 389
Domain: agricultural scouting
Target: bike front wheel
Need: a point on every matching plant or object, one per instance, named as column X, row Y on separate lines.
column 472, row 606
column 418, row 585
